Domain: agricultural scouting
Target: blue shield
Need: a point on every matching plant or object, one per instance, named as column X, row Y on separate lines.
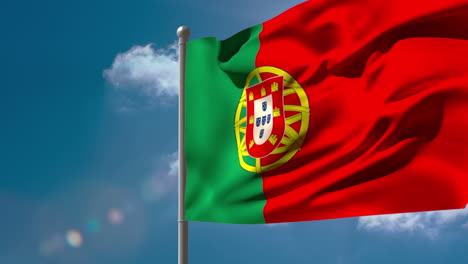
column 263, row 120
column 261, row 133
column 257, row 121
column 268, row 118
column 264, row 106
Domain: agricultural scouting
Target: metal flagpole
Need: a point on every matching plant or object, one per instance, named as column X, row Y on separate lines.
column 183, row 33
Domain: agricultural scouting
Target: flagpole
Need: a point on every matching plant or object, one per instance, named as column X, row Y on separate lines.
column 183, row 33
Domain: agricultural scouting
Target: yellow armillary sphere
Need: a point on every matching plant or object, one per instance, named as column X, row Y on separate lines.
column 294, row 114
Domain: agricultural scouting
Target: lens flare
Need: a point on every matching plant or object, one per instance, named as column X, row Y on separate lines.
column 52, row 245
column 115, row 216
column 93, row 225
column 74, row 239
column 157, row 187
column 129, row 207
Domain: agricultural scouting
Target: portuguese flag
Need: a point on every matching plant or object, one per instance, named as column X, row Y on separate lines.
column 331, row 109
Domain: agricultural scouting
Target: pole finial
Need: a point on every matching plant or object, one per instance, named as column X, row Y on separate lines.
column 183, row 32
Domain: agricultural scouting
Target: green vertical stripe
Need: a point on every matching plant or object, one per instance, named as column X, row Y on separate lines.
column 218, row 189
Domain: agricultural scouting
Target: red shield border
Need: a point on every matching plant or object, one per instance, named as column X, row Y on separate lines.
column 273, row 86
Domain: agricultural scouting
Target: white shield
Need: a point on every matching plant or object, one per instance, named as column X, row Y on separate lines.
column 262, row 129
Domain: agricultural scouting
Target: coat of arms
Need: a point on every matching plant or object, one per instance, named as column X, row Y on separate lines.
column 265, row 114
column 271, row 119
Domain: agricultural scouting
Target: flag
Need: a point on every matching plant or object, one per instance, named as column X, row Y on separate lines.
column 332, row 109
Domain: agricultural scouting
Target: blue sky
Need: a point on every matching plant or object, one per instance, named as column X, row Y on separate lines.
column 89, row 139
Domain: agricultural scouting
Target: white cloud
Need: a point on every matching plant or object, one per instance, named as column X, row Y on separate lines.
column 173, row 164
column 465, row 225
column 146, row 71
column 153, row 73
column 163, row 181
column 277, row 225
column 427, row 223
